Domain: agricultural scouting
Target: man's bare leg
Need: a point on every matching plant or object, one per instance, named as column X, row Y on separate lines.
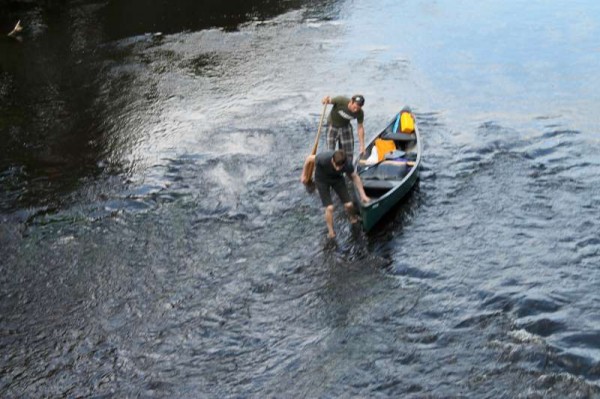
column 329, row 221
column 351, row 213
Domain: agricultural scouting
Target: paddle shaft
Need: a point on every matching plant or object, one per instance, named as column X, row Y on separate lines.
column 310, row 167
column 314, row 151
column 367, row 167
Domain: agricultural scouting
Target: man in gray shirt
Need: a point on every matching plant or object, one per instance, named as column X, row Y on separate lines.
column 330, row 167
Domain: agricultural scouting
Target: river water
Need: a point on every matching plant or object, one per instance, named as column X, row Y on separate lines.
column 156, row 241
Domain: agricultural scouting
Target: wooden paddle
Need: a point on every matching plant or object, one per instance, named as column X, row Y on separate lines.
column 310, row 167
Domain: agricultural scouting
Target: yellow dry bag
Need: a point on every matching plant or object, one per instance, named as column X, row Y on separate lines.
column 407, row 123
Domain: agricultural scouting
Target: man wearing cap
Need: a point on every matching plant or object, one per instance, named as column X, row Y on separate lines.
column 340, row 130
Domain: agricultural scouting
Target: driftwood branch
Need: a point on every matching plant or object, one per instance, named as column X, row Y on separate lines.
column 18, row 28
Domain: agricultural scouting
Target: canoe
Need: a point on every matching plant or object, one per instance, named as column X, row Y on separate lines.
column 388, row 177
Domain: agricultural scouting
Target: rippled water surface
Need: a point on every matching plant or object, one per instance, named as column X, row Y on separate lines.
column 156, row 240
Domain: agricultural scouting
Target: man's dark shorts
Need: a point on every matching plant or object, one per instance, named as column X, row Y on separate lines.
column 339, row 187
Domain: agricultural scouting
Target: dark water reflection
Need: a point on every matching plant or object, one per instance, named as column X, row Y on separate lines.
column 156, row 242
column 61, row 115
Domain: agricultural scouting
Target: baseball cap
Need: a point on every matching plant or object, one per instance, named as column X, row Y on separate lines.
column 359, row 99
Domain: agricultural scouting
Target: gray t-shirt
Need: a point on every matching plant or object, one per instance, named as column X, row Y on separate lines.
column 324, row 170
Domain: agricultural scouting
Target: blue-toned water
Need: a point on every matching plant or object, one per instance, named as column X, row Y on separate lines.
column 156, row 240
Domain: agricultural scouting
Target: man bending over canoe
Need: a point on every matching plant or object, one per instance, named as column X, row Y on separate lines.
column 330, row 167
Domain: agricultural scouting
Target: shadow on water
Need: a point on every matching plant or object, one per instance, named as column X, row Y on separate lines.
column 398, row 216
column 168, row 17
column 353, row 246
column 60, row 129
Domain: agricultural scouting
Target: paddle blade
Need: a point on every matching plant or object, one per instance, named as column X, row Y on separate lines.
column 307, row 172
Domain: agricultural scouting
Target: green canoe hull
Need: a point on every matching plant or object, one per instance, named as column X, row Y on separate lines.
column 376, row 211
column 385, row 188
